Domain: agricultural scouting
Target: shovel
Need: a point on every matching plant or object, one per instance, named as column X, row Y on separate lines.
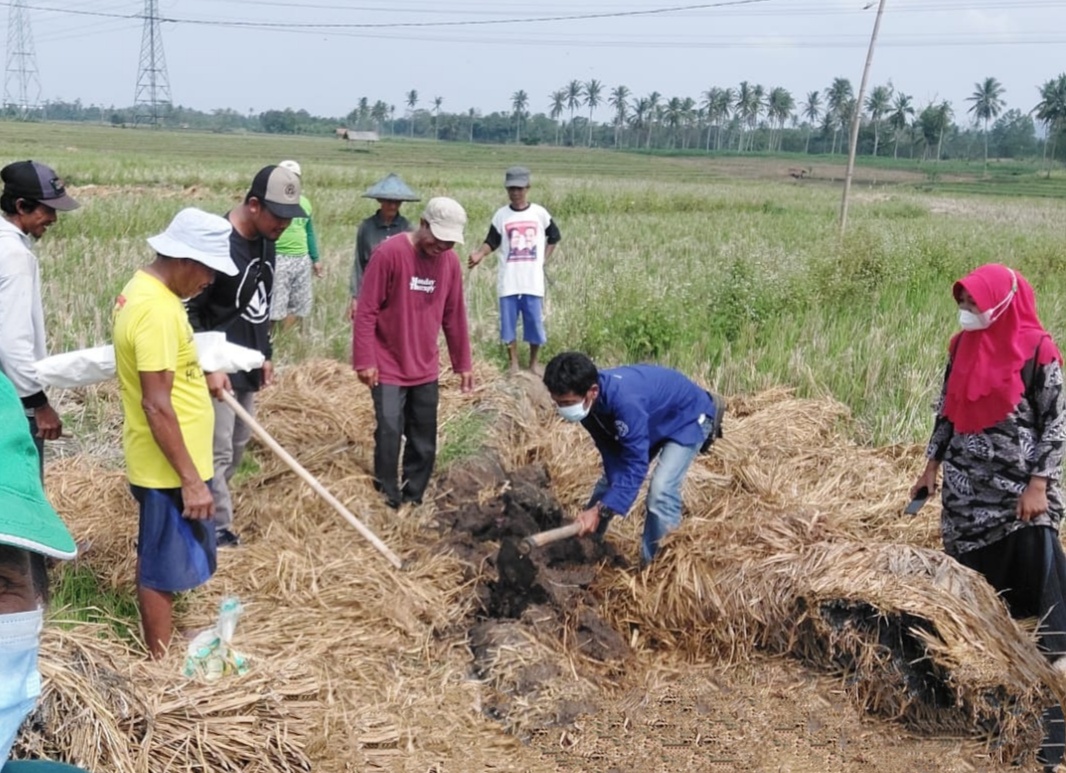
column 310, row 479
column 540, row 539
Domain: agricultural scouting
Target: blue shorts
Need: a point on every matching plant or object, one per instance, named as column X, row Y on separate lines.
column 176, row 553
column 532, row 310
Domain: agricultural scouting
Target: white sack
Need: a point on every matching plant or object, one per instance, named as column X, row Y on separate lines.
column 91, row 366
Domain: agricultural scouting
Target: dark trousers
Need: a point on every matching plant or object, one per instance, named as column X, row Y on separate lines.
column 1028, row 569
column 408, row 414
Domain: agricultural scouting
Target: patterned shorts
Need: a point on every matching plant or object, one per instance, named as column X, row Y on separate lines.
column 292, row 287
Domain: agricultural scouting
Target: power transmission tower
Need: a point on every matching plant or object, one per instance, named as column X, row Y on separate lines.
column 22, row 85
column 153, row 83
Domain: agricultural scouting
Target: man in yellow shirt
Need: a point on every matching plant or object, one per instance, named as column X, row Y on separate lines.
column 169, row 418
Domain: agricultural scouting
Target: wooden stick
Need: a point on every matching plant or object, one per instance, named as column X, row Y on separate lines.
column 310, row 479
column 541, row 539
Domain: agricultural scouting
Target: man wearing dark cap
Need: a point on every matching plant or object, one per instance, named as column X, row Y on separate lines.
column 413, row 289
column 33, row 193
column 524, row 235
column 239, row 306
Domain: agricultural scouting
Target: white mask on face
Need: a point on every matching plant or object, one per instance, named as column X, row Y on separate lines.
column 20, row 682
column 970, row 321
column 574, row 413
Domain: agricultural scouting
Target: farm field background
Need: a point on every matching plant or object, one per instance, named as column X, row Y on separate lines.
column 725, row 267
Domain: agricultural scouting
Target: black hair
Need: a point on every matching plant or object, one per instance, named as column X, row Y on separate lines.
column 9, row 203
column 28, row 560
column 570, row 373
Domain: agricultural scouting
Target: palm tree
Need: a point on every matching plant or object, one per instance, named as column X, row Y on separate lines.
column 472, row 114
column 519, row 103
column 944, row 116
column 654, row 113
column 378, row 113
column 574, row 93
column 779, row 106
column 674, row 118
column 412, row 101
column 718, row 110
column 836, row 98
column 689, row 115
column 364, row 112
column 619, row 101
column 878, row 104
column 1051, row 111
column 988, row 103
column 593, row 92
column 437, row 102
column 747, row 108
column 558, row 99
column 902, row 110
column 638, row 116
column 812, row 111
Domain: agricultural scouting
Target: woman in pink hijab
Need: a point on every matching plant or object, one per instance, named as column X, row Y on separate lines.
column 1000, row 436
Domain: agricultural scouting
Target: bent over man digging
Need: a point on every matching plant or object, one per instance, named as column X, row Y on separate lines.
column 411, row 291
column 168, row 418
column 635, row 415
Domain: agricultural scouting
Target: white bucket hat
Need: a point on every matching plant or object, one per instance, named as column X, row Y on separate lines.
column 199, row 236
column 292, row 166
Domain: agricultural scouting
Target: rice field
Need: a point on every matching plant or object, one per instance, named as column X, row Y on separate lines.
column 727, row 269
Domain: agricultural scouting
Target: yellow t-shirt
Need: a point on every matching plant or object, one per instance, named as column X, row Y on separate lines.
column 152, row 334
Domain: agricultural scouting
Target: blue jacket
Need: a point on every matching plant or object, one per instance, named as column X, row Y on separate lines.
column 639, row 408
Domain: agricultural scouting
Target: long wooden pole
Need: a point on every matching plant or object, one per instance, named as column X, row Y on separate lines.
column 310, row 479
column 856, row 119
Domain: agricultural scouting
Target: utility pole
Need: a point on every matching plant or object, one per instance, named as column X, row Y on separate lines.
column 153, row 83
column 22, row 85
column 856, row 119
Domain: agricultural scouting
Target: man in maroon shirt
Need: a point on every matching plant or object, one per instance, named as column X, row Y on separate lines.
column 412, row 290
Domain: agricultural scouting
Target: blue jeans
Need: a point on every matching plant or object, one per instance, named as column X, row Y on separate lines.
column 664, row 492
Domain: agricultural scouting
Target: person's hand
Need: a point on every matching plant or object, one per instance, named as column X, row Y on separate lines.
column 475, row 258
column 926, row 480
column 351, row 311
column 199, row 504
column 1033, row 501
column 49, row 425
column 316, row 268
column 217, row 383
column 589, row 520
column 466, row 381
column 268, row 373
column 368, row 376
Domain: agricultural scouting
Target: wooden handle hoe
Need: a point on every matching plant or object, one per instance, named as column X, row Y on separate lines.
column 310, row 479
column 543, row 538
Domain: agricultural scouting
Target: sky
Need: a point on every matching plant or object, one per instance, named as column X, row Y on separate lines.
column 319, row 55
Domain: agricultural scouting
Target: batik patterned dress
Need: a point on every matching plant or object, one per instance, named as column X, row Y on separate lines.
column 986, row 472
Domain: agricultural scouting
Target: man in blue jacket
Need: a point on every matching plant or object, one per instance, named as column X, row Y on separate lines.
column 635, row 413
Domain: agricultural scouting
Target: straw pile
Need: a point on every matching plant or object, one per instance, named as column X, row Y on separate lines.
column 792, row 543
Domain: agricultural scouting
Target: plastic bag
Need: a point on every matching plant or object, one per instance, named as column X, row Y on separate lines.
column 84, row 367
column 210, row 656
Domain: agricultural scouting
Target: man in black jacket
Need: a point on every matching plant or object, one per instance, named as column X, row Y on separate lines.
column 239, row 306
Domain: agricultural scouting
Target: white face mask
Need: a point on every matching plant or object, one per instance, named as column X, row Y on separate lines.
column 575, row 413
column 970, row 321
column 20, row 682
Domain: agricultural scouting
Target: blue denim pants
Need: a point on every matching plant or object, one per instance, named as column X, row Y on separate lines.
column 664, row 492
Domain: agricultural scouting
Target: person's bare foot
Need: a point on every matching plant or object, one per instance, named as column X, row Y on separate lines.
column 536, row 368
column 513, row 368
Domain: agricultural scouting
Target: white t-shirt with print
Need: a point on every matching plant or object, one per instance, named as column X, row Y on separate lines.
column 521, row 251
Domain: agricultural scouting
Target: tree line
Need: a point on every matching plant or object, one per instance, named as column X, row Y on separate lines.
column 747, row 118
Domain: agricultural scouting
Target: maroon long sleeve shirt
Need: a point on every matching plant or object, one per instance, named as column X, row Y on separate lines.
column 406, row 299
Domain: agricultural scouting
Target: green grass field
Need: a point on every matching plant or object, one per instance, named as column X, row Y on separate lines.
column 724, row 267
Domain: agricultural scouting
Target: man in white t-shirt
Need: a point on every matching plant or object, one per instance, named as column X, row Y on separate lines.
column 524, row 235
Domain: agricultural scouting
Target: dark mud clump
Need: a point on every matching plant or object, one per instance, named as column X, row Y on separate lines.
column 483, row 514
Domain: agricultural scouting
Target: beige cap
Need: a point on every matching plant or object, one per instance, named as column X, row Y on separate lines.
column 279, row 190
column 446, row 218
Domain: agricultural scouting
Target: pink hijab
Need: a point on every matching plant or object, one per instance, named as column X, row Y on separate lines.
column 985, row 384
